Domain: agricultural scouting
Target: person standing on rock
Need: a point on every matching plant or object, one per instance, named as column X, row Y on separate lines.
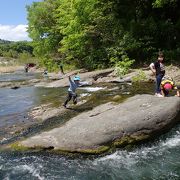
column 26, row 68
column 158, row 70
column 61, row 68
column 74, row 84
column 45, row 74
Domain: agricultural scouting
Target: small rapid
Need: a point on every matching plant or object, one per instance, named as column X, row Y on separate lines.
column 154, row 160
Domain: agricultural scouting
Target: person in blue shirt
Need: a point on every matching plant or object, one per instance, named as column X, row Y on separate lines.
column 74, row 84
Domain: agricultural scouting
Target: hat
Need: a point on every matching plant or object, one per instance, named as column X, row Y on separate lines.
column 167, row 86
column 76, row 78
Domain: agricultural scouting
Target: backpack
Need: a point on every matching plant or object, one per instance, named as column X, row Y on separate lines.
column 167, row 79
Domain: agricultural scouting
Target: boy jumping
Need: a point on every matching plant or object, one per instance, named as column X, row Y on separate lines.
column 72, row 88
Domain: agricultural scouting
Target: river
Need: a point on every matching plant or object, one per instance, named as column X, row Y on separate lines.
column 158, row 159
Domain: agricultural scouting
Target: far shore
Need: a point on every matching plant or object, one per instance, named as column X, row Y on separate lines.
column 14, row 68
column 10, row 69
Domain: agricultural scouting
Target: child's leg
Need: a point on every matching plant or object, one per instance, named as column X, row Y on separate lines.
column 158, row 83
column 75, row 98
column 68, row 98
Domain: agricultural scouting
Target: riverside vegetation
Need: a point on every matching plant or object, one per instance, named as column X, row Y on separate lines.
column 97, row 34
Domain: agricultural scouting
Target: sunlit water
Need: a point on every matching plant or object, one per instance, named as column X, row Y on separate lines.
column 159, row 159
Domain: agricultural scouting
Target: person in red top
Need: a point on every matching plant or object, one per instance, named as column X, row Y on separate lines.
column 167, row 84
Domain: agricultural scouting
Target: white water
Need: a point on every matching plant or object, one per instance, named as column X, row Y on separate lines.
column 85, row 94
column 157, row 160
column 92, row 89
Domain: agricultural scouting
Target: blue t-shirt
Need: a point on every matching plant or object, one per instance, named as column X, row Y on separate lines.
column 73, row 85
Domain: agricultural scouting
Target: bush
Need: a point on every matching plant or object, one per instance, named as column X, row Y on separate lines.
column 141, row 76
column 122, row 67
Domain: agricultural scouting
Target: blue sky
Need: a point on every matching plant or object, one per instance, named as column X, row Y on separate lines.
column 13, row 22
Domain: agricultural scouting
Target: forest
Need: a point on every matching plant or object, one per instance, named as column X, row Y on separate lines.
column 95, row 34
column 21, row 50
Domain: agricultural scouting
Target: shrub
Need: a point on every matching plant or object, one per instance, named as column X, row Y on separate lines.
column 141, row 76
column 122, row 67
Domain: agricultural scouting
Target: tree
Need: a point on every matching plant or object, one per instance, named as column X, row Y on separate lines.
column 42, row 29
column 98, row 33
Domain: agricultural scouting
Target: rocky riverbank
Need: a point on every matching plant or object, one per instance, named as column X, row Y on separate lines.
column 94, row 77
column 45, row 112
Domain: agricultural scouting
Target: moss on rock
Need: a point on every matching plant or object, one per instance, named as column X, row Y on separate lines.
column 18, row 147
column 130, row 139
column 98, row 150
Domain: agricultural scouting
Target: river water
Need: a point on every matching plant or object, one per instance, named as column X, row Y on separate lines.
column 158, row 159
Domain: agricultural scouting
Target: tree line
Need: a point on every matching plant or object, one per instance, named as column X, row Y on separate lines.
column 22, row 50
column 103, row 33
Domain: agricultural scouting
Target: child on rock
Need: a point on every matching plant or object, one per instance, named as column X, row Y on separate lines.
column 74, row 84
column 167, row 84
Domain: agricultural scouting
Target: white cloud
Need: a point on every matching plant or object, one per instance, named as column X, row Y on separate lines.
column 14, row 33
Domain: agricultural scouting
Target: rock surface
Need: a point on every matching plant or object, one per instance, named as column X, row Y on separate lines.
column 89, row 77
column 140, row 117
column 93, row 77
column 108, row 76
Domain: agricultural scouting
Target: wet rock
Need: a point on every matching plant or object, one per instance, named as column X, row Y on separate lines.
column 139, row 118
column 15, row 87
column 34, row 81
column 117, row 97
column 45, row 112
column 5, row 84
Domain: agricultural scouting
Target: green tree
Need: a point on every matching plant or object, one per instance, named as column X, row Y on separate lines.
column 98, row 33
column 43, row 30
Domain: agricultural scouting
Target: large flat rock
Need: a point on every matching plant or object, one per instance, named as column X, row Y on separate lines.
column 110, row 125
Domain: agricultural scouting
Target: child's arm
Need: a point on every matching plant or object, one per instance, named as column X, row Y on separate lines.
column 70, row 80
column 152, row 68
column 178, row 93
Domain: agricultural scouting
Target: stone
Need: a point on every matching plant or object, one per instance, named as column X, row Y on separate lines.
column 110, row 125
column 117, row 97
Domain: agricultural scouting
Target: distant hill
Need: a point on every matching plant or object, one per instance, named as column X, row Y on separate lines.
column 5, row 41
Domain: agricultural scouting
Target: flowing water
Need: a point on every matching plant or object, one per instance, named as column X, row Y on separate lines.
column 18, row 75
column 159, row 159
column 155, row 160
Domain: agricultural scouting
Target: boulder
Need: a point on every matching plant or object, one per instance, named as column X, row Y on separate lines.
column 15, row 87
column 110, row 125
